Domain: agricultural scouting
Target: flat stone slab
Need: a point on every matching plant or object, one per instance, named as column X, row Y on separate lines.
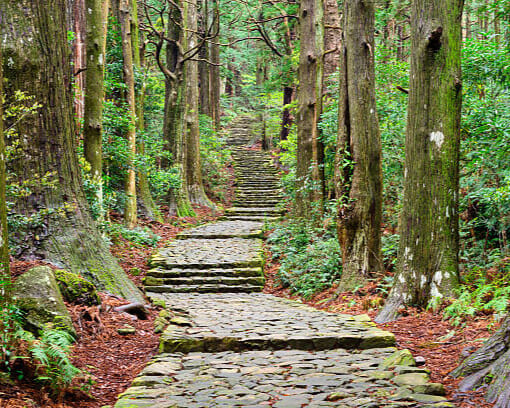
column 225, row 229
column 210, row 253
column 281, row 379
column 258, row 321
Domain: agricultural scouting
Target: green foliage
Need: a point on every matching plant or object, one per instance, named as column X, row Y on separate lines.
column 310, row 262
column 141, row 236
column 10, row 326
column 51, row 352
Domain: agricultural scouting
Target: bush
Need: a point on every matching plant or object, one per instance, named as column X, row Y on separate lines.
column 310, row 262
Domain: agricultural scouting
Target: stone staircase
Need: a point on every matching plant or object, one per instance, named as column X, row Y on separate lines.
column 225, row 256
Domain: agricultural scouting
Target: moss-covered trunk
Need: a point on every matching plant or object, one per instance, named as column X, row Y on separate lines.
column 308, row 173
column 130, row 212
column 358, row 168
column 429, row 232
column 58, row 228
column 146, row 204
column 4, row 238
column 97, row 16
column 193, row 161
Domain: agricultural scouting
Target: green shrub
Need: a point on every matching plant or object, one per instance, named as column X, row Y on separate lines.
column 309, row 262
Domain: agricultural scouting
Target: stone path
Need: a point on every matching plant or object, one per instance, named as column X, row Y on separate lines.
column 225, row 345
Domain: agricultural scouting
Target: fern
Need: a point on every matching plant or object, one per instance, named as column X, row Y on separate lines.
column 51, row 352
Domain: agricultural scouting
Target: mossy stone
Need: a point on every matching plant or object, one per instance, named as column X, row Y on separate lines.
column 37, row 294
column 76, row 289
column 399, row 358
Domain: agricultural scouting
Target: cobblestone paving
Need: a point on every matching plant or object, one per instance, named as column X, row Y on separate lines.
column 255, row 350
column 203, row 253
column 225, row 229
column 260, row 321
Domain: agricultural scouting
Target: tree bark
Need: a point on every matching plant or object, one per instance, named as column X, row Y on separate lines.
column 38, row 65
column 130, row 212
column 79, row 55
column 490, row 364
column 332, row 42
column 308, row 174
column 429, row 232
column 146, row 203
column 358, row 168
column 215, row 80
column 5, row 274
column 203, row 66
column 193, row 160
column 97, row 17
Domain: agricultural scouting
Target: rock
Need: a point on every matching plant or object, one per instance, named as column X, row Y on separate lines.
column 124, row 331
column 425, row 398
column 399, row 358
column 420, row 360
column 76, row 289
column 37, row 294
column 430, row 388
column 180, row 321
column 412, row 379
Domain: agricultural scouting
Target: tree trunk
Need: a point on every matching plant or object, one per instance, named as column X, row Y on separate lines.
column 5, row 275
column 130, row 212
column 66, row 235
column 173, row 122
column 146, row 203
column 193, row 160
column 288, row 93
column 215, row 80
column 203, row 66
column 79, row 55
column 358, row 169
column 332, row 41
column 309, row 183
column 97, row 17
column 489, row 365
column 429, row 232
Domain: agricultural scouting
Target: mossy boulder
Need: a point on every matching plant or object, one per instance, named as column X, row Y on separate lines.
column 76, row 289
column 37, row 294
column 399, row 358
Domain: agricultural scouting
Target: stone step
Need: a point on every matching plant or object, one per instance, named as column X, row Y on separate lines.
column 261, row 218
column 224, row 229
column 254, row 210
column 236, row 322
column 151, row 281
column 206, row 289
column 210, row 253
column 171, row 273
column 255, row 204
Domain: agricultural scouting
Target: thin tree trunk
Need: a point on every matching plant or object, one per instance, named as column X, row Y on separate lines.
column 97, row 16
column 66, row 236
column 5, row 274
column 429, row 231
column 358, row 168
column 130, row 213
column 332, row 41
column 309, row 184
column 193, row 167
column 288, row 93
column 80, row 19
column 203, row 66
column 215, row 80
column 146, row 202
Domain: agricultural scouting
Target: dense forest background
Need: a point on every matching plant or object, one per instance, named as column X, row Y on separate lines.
column 115, row 117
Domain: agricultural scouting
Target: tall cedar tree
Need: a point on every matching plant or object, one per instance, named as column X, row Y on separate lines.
column 146, row 203
column 39, row 65
column 97, row 16
column 4, row 238
column 429, row 223
column 196, row 190
column 124, row 8
column 358, row 167
column 308, row 173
